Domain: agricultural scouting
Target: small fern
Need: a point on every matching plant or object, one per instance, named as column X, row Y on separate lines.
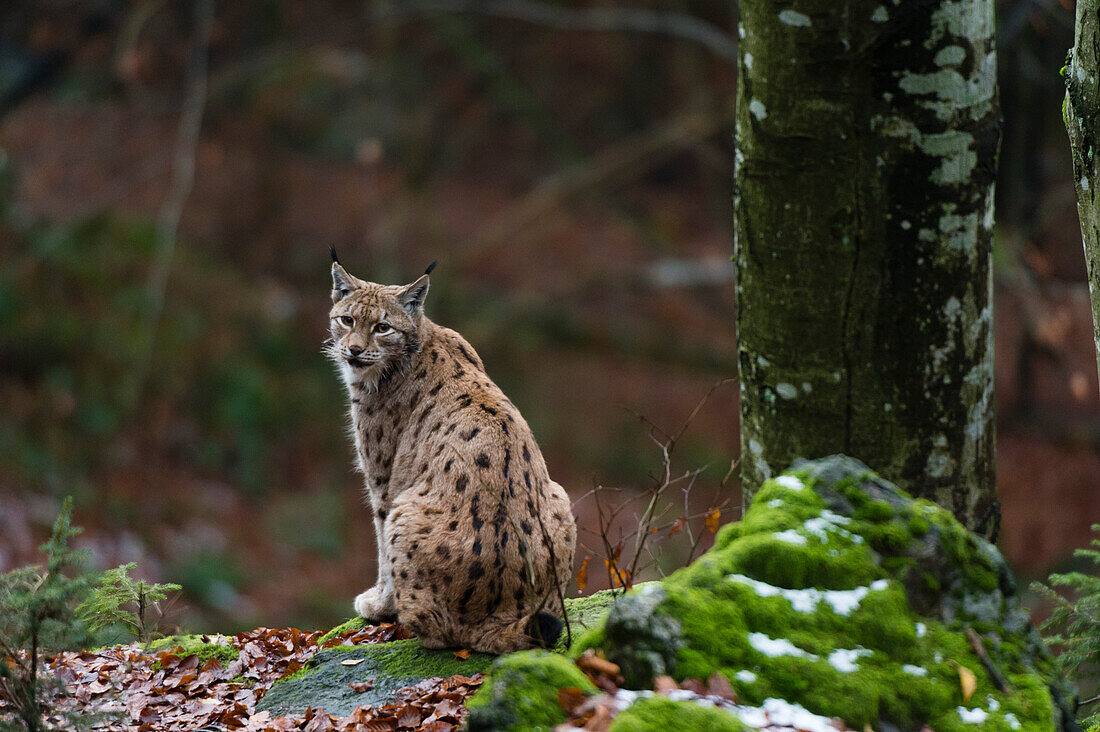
column 1075, row 623
column 120, row 600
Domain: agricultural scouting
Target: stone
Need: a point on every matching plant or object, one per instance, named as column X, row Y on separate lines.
column 840, row 593
column 837, row 596
column 522, row 692
column 324, row 682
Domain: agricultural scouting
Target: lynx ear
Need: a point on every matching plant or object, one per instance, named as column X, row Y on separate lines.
column 342, row 282
column 412, row 296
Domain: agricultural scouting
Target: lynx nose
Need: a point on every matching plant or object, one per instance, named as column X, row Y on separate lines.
column 355, row 350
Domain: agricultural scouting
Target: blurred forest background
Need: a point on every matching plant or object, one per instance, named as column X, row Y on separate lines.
column 172, row 173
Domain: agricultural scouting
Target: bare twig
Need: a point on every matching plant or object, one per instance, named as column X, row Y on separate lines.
column 634, row 20
column 651, row 520
column 699, row 406
column 642, row 151
column 983, row 656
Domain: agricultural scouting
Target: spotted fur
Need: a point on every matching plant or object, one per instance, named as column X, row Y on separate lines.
column 474, row 537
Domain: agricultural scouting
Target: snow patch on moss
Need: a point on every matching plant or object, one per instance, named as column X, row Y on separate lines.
column 795, row 18
column 754, row 608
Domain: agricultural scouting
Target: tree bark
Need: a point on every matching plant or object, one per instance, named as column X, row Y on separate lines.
column 867, row 138
column 1081, row 113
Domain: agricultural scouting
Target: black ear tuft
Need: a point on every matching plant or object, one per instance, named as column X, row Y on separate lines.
column 332, row 251
column 431, row 266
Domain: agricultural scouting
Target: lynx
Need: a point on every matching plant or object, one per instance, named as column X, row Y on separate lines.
column 474, row 538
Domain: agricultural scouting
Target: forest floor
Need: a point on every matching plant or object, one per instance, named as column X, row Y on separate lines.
column 131, row 688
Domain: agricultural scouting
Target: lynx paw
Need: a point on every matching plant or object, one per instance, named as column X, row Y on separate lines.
column 377, row 603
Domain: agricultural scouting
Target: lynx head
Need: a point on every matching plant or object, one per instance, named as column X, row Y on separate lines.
column 375, row 329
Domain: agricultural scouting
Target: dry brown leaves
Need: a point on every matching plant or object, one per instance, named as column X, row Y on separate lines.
column 582, row 575
column 713, row 518
column 167, row 692
column 604, row 674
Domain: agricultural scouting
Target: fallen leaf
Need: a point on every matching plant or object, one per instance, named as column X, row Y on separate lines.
column 718, row 685
column 463, row 654
column 352, row 661
column 967, row 681
column 714, row 515
column 619, row 577
column 362, row 686
column 664, row 684
column 437, row 726
column 449, row 708
column 570, row 698
column 589, row 661
column 694, row 685
column 410, row 717
column 582, row 575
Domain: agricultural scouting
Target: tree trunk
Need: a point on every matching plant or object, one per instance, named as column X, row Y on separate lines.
column 1081, row 113
column 867, row 137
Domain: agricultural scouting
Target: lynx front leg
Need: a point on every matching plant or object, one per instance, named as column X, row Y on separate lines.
column 379, row 603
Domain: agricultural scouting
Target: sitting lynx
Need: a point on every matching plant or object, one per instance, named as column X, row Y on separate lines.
column 473, row 537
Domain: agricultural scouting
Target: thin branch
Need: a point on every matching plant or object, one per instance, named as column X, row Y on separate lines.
column 633, row 20
column 644, row 150
column 183, row 178
column 699, row 406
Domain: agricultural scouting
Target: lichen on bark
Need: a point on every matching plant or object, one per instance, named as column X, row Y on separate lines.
column 1081, row 113
column 867, row 136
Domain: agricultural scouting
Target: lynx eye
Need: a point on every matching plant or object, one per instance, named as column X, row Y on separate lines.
column 347, row 320
column 382, row 328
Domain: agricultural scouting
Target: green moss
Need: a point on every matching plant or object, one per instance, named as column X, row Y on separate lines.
column 661, row 713
column 193, row 645
column 875, row 511
column 324, row 682
column 874, row 661
column 404, row 658
column 356, row 623
column 522, row 692
column 592, row 638
column 918, row 527
column 586, row 614
column 299, row 674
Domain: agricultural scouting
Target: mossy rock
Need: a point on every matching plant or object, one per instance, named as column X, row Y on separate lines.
column 522, row 692
column 324, row 682
column 666, row 715
column 839, row 592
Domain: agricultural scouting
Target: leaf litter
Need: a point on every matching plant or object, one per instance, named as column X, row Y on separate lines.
column 138, row 690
